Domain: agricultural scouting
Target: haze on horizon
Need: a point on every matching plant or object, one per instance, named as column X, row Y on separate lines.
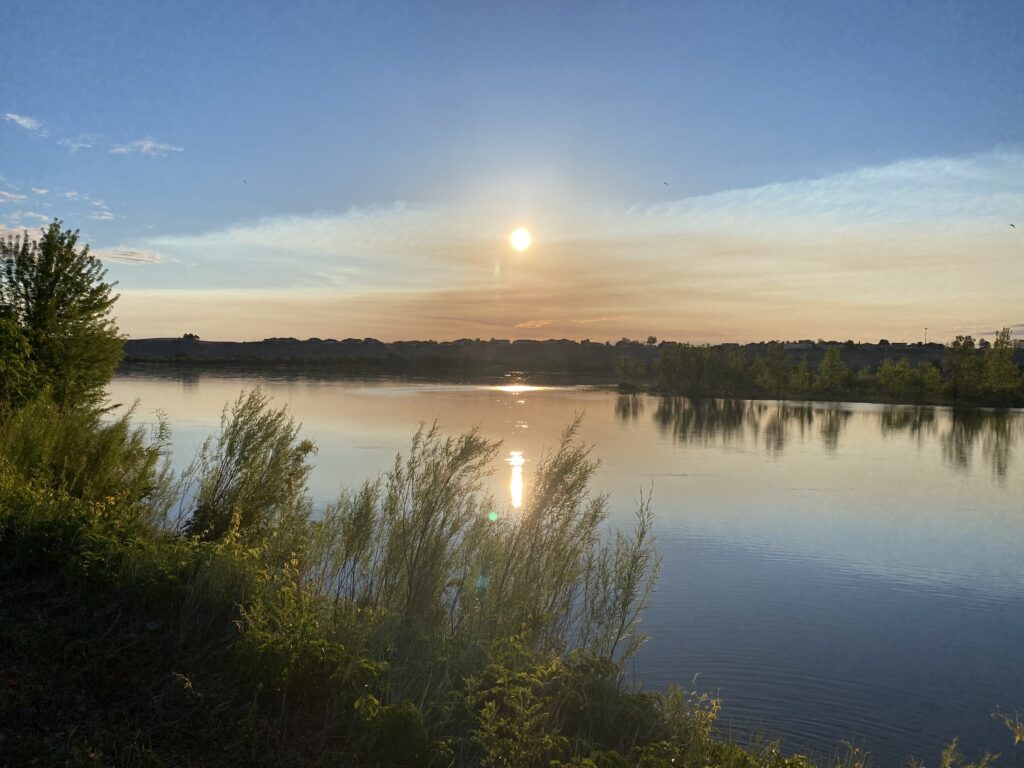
column 703, row 172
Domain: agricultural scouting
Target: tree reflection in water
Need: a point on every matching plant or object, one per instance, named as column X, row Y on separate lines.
column 629, row 407
column 706, row 420
column 709, row 421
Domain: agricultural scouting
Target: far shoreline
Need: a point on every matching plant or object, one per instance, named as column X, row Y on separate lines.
column 327, row 371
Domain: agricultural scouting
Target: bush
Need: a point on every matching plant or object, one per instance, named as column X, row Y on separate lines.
column 252, row 476
column 84, row 455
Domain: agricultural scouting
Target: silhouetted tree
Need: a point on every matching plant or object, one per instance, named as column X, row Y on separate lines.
column 56, row 294
column 629, row 371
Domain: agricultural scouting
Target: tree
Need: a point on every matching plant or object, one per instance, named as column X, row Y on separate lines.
column 897, row 380
column 772, row 370
column 800, row 378
column 1000, row 376
column 963, row 369
column 56, row 294
column 930, row 378
column 629, row 371
column 17, row 372
column 832, row 373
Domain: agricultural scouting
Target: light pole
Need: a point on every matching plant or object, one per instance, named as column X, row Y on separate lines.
column 926, row 334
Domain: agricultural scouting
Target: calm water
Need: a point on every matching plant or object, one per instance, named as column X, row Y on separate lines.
column 832, row 571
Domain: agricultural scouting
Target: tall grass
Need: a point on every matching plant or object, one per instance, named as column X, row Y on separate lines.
column 87, row 455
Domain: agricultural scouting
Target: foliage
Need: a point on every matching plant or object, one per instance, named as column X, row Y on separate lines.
column 833, row 375
column 629, row 371
column 700, row 371
column 18, row 377
column 897, row 380
column 800, row 380
column 86, row 456
column 963, row 369
column 252, row 476
column 1000, row 377
column 772, row 371
column 56, row 294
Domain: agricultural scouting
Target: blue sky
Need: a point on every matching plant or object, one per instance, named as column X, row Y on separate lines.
column 328, row 169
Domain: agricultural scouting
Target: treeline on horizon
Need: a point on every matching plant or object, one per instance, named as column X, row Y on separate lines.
column 967, row 373
column 964, row 372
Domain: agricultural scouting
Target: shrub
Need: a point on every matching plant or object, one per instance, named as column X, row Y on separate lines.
column 252, row 476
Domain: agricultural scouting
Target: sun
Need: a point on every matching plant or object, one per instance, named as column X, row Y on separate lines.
column 520, row 239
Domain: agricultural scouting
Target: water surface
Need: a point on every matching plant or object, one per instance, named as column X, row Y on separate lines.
column 832, row 571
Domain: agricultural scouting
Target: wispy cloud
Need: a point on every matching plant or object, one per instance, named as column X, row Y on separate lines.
column 128, row 255
column 40, row 191
column 147, row 146
column 77, row 144
column 26, row 122
column 72, row 195
column 532, row 324
column 7, row 197
column 103, row 215
column 29, row 215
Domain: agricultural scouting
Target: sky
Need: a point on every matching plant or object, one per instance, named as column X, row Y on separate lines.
column 705, row 172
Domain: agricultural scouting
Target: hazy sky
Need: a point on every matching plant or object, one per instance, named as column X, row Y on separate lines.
column 302, row 169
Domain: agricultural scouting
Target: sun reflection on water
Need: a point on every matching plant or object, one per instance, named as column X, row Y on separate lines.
column 517, row 389
column 515, row 486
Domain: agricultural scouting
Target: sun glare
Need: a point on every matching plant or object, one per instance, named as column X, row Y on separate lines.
column 520, row 239
column 516, row 460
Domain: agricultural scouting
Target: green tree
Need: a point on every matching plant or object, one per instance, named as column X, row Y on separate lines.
column 773, row 369
column 56, row 293
column 1000, row 377
column 930, row 382
column 684, row 369
column 897, row 380
column 800, row 379
column 17, row 372
column 833, row 374
column 963, row 369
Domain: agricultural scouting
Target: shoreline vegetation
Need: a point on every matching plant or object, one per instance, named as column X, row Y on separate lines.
column 964, row 373
column 149, row 618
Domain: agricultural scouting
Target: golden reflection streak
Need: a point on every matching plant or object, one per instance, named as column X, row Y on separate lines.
column 515, row 487
column 515, row 389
